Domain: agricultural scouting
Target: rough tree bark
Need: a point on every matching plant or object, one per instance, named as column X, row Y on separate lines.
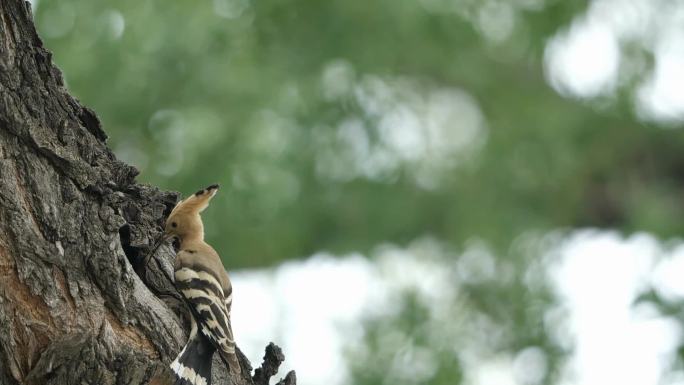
column 76, row 304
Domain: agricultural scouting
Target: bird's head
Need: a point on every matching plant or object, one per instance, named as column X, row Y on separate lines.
column 184, row 222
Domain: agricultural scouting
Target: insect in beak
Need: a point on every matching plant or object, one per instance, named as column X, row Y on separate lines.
column 164, row 238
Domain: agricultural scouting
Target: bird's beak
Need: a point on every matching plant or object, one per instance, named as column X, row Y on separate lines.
column 163, row 239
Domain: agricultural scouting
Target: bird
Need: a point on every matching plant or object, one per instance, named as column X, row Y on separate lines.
column 205, row 287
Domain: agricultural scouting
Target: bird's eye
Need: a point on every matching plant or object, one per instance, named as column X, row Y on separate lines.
column 174, row 224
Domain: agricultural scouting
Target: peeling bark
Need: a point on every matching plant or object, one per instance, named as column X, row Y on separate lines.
column 76, row 304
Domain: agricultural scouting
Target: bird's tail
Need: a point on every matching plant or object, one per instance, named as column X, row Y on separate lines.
column 193, row 364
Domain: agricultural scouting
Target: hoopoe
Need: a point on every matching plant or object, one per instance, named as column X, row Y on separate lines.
column 203, row 282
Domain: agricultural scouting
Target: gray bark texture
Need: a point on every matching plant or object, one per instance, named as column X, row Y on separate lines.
column 77, row 306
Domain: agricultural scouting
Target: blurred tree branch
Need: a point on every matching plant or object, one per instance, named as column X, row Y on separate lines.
column 74, row 304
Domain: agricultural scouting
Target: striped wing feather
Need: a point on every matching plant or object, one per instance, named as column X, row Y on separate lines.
column 204, row 293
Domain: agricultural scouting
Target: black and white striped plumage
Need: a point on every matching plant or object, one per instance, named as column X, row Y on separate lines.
column 193, row 364
column 209, row 300
column 203, row 282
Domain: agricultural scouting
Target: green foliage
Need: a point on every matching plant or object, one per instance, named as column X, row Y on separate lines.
column 402, row 344
column 253, row 94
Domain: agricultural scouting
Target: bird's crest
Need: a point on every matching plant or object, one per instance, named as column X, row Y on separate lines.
column 197, row 202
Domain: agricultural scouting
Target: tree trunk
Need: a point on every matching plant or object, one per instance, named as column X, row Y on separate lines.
column 76, row 304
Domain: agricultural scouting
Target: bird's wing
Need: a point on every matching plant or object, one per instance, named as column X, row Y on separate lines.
column 211, row 308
